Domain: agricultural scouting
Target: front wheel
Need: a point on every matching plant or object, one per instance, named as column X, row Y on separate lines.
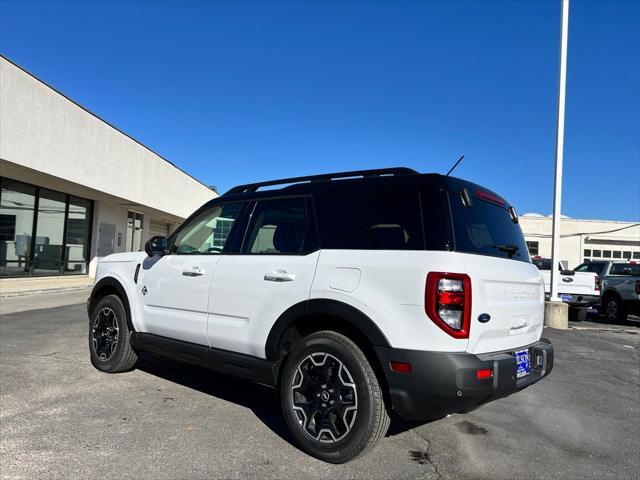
column 109, row 337
column 331, row 398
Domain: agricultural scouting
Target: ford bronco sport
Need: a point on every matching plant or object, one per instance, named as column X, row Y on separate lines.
column 355, row 294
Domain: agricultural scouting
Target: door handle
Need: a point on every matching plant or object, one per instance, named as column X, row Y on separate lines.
column 194, row 272
column 279, row 276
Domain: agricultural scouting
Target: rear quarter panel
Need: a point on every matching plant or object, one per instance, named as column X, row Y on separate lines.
column 389, row 287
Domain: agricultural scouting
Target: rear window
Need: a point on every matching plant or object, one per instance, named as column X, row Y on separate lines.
column 370, row 221
column 486, row 227
column 625, row 269
column 594, row 267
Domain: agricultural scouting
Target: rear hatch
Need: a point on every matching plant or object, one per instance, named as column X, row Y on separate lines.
column 507, row 289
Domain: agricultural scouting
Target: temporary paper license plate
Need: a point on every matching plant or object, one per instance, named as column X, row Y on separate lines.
column 565, row 297
column 523, row 364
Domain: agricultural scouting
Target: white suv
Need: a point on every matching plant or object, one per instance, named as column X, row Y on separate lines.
column 355, row 294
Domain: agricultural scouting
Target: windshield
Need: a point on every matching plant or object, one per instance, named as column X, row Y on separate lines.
column 486, row 227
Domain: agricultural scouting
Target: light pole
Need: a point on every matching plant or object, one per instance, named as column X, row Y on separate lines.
column 557, row 184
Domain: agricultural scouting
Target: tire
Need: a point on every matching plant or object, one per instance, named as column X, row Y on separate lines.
column 578, row 314
column 109, row 337
column 613, row 309
column 333, row 368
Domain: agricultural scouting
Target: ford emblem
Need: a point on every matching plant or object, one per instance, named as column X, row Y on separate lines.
column 567, row 279
column 484, row 317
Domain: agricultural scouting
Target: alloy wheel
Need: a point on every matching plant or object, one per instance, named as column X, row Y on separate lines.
column 324, row 397
column 105, row 334
column 612, row 309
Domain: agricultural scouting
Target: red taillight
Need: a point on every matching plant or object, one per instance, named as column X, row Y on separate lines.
column 484, row 374
column 448, row 302
column 400, row 367
column 598, row 284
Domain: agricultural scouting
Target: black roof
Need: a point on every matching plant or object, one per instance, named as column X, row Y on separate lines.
column 383, row 181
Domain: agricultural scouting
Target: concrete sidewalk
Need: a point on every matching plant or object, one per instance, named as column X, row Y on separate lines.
column 39, row 301
column 11, row 287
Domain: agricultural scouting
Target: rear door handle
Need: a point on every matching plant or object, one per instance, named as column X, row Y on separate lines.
column 193, row 272
column 279, row 276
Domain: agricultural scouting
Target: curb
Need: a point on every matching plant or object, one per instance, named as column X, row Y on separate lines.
column 44, row 291
column 605, row 329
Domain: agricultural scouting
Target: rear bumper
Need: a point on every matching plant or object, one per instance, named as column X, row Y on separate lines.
column 581, row 301
column 442, row 383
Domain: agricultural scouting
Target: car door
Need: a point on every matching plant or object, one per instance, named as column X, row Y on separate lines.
column 174, row 288
column 273, row 271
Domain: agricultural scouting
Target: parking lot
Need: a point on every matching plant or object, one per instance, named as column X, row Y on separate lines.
column 61, row 418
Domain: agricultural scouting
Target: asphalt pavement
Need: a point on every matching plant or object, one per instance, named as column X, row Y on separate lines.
column 61, row 418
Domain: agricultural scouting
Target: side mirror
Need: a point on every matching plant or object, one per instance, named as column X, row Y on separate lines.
column 156, row 246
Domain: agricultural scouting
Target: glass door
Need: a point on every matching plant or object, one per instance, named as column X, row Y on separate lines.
column 135, row 224
column 47, row 251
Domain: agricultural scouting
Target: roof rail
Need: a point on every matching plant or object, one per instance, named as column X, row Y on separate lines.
column 252, row 187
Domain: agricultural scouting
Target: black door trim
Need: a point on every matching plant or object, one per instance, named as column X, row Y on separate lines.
column 240, row 365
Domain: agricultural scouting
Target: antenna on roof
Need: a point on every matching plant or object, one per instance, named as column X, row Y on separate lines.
column 454, row 166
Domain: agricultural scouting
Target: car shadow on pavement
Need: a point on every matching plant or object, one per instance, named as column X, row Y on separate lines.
column 595, row 317
column 263, row 401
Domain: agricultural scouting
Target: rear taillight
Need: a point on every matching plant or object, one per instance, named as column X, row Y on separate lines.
column 448, row 302
column 598, row 285
column 638, row 287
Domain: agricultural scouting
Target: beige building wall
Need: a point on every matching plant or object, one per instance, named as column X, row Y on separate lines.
column 50, row 142
column 583, row 240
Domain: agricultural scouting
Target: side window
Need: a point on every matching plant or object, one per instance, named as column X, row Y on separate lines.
column 362, row 221
column 207, row 233
column 279, row 227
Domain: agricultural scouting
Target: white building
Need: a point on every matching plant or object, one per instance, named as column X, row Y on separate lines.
column 582, row 240
column 74, row 187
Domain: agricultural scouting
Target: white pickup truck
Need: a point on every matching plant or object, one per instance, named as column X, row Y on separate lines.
column 580, row 290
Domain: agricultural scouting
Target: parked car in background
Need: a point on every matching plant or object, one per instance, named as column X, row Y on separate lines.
column 579, row 289
column 620, row 287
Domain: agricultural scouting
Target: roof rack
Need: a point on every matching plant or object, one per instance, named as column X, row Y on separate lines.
column 252, row 187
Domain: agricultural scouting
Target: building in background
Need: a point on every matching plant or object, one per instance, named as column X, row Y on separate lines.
column 582, row 240
column 74, row 188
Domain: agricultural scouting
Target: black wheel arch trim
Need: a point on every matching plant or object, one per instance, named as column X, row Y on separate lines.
column 110, row 283
column 611, row 292
column 318, row 306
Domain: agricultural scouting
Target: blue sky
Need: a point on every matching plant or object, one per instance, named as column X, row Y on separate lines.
column 239, row 92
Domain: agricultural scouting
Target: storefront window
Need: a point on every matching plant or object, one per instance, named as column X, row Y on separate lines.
column 42, row 232
column 17, row 202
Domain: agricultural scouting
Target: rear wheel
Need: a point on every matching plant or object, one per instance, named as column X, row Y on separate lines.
column 331, row 398
column 109, row 337
column 614, row 310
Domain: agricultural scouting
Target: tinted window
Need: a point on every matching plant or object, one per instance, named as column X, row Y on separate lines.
column 486, row 228
column 594, row 267
column 625, row 269
column 542, row 263
column 370, row 221
column 279, row 227
column 207, row 232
